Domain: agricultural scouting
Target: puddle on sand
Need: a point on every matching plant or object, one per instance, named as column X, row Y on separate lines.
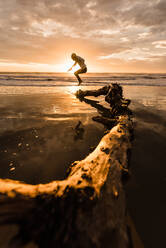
column 43, row 153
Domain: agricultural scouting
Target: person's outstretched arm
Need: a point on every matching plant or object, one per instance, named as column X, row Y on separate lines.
column 72, row 66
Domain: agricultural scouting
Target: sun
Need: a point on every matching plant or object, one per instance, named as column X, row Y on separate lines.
column 66, row 65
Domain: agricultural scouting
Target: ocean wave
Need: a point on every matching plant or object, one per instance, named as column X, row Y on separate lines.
column 83, row 84
column 92, row 79
column 88, row 78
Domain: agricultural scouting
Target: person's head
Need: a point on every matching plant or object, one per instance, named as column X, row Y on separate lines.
column 73, row 56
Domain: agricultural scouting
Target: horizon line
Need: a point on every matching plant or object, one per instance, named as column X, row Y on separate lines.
column 86, row 73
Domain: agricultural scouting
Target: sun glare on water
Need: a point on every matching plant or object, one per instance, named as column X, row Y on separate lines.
column 73, row 89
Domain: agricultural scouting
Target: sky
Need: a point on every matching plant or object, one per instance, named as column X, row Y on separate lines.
column 111, row 35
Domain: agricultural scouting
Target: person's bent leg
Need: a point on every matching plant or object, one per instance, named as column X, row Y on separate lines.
column 79, row 72
column 77, row 76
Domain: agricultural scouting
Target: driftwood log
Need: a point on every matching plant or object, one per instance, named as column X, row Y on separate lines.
column 85, row 210
column 118, row 106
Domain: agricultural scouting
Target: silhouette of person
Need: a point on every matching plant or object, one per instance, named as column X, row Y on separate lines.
column 81, row 62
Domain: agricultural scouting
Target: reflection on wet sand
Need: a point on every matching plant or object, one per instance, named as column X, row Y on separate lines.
column 147, row 95
column 43, row 153
column 72, row 89
column 40, row 136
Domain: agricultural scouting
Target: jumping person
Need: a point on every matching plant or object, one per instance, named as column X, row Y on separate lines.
column 83, row 68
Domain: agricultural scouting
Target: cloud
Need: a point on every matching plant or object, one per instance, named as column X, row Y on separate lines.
column 135, row 54
column 43, row 30
column 160, row 44
column 50, row 28
column 143, row 35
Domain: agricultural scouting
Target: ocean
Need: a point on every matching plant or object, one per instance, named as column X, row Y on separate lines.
column 89, row 79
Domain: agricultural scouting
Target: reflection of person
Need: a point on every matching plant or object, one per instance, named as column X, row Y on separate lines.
column 79, row 131
column 81, row 62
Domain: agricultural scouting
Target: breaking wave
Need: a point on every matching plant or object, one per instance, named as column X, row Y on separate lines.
column 89, row 79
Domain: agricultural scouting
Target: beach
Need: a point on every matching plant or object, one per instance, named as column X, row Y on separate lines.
column 44, row 129
column 146, row 188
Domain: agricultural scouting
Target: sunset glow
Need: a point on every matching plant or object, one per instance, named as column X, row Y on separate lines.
column 66, row 65
column 112, row 36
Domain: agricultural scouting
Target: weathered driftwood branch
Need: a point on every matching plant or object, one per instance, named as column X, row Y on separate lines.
column 85, row 210
column 102, row 91
column 114, row 97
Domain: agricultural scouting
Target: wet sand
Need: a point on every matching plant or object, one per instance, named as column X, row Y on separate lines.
column 146, row 188
column 41, row 135
column 39, row 139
